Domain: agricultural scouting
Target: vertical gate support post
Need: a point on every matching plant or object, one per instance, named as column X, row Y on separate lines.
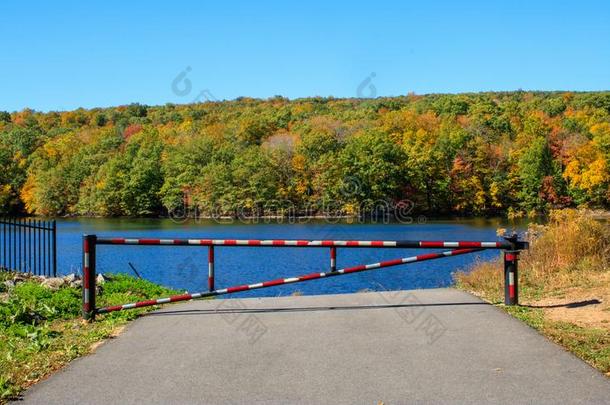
column 511, row 274
column 511, row 277
column 89, row 242
column 333, row 259
column 211, row 268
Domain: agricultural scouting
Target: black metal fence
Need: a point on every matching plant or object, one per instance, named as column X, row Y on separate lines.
column 28, row 246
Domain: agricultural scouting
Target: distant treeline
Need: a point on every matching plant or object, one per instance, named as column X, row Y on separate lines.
column 480, row 154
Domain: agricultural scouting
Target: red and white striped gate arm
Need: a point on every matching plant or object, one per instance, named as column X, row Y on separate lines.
column 282, row 281
column 306, row 243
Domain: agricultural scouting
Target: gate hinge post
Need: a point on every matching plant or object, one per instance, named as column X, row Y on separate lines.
column 511, row 269
column 89, row 275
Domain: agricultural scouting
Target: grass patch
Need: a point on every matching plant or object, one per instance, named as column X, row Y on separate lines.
column 568, row 261
column 41, row 329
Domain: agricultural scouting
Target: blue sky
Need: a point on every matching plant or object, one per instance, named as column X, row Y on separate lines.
column 66, row 55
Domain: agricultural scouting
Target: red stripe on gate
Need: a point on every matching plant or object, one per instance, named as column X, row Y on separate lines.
column 205, row 242
column 511, row 291
column 118, row 241
column 352, row 243
column 230, row 242
column 149, row 241
column 146, row 303
column 114, row 308
column 238, row 288
column 469, row 244
column 211, row 256
column 271, row 283
column 327, row 243
column 333, row 253
column 182, row 297
column 355, row 268
column 390, row 262
column 311, row 276
column 428, row 256
column 377, row 243
column 431, row 244
column 511, row 257
column 302, row 243
column 279, row 242
column 254, row 243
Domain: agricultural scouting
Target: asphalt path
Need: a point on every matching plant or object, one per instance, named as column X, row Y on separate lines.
column 406, row 347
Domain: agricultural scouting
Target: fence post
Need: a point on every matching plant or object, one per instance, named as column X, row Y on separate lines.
column 211, row 268
column 89, row 242
column 511, row 277
column 333, row 259
column 54, row 248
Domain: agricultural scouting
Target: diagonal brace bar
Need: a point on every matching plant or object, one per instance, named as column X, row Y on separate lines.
column 281, row 281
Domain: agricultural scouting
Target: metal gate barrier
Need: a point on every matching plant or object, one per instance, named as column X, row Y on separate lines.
column 510, row 245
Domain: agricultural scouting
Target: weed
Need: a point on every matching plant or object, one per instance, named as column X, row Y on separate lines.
column 41, row 330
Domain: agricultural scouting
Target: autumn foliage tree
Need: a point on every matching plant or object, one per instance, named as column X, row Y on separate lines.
column 473, row 154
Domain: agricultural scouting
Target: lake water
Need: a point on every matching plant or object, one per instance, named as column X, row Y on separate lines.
column 186, row 267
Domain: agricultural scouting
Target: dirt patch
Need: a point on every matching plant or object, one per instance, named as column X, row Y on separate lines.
column 584, row 306
column 115, row 333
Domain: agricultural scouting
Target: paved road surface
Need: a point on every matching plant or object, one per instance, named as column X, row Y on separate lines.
column 408, row 347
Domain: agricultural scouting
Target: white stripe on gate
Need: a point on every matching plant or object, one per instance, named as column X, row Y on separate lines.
column 511, row 278
column 489, row 244
column 132, row 241
column 87, row 260
column 167, row 242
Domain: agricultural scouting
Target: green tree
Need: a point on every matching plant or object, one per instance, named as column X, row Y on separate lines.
column 534, row 165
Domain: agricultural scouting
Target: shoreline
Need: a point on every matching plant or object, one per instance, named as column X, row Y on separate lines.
column 597, row 214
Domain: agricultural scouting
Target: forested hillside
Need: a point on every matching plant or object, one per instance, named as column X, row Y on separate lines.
column 480, row 154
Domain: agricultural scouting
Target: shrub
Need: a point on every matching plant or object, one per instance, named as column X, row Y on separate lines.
column 565, row 252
